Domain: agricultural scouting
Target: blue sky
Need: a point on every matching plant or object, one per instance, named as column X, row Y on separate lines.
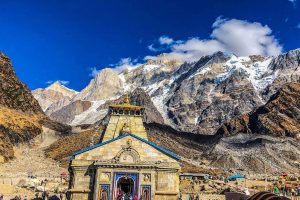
column 63, row 40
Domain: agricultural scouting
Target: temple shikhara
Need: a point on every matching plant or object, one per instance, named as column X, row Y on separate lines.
column 125, row 165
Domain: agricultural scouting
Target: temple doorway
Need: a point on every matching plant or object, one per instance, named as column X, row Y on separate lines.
column 125, row 187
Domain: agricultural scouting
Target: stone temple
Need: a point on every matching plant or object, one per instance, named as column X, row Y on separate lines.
column 125, row 165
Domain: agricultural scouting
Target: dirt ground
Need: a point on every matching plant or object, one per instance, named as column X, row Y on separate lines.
column 30, row 168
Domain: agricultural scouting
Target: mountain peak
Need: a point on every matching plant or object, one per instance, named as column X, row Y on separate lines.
column 15, row 94
column 106, row 71
column 58, row 87
column 165, row 59
column 105, row 85
column 55, row 84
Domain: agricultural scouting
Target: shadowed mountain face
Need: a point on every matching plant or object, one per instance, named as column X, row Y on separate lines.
column 19, row 111
column 21, row 117
column 13, row 93
column 280, row 116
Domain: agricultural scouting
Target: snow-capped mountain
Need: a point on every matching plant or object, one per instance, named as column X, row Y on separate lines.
column 54, row 96
column 105, row 85
column 195, row 97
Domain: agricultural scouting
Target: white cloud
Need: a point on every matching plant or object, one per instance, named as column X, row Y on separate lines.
column 294, row 2
column 236, row 36
column 123, row 64
column 164, row 43
column 240, row 37
column 94, row 72
column 126, row 63
column 152, row 48
column 63, row 82
column 220, row 20
column 165, row 40
column 245, row 38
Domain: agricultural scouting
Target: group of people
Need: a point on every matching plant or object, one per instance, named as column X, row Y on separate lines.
column 191, row 197
column 286, row 191
column 121, row 195
column 44, row 196
column 17, row 197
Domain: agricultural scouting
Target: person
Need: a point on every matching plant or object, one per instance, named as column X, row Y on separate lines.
column 61, row 196
column 135, row 197
column 246, row 191
column 180, row 196
column 276, row 190
column 119, row 193
column 45, row 195
column 1, row 197
column 197, row 197
column 25, row 198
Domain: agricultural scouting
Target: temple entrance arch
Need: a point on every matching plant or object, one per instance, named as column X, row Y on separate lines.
column 125, row 187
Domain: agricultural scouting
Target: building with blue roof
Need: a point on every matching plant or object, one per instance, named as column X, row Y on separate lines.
column 125, row 164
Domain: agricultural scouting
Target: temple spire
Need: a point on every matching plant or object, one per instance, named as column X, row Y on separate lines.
column 126, row 99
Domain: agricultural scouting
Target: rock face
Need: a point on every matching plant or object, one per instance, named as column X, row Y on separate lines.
column 287, row 69
column 105, row 85
column 223, row 111
column 193, row 97
column 13, row 93
column 68, row 113
column 255, row 153
column 212, row 91
column 266, row 138
column 19, row 111
column 53, row 97
column 280, row 116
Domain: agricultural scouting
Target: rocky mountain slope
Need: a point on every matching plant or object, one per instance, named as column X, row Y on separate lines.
column 266, row 138
column 236, row 145
column 19, row 111
column 192, row 97
column 280, row 116
column 53, row 97
column 21, row 117
column 105, row 85
column 14, row 94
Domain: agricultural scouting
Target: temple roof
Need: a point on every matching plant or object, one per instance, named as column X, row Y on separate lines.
column 126, row 105
column 161, row 149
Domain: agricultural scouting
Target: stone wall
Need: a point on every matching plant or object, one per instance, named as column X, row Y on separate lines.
column 110, row 150
column 116, row 123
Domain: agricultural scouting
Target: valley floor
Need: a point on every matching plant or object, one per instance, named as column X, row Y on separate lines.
column 32, row 169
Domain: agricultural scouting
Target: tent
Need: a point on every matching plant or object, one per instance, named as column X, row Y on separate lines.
column 235, row 176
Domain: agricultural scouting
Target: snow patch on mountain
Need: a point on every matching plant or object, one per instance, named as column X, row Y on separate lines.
column 255, row 71
column 148, row 68
column 91, row 115
column 126, row 86
column 159, row 99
